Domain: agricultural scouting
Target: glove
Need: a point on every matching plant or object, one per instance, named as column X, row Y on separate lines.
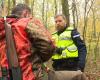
column 59, row 50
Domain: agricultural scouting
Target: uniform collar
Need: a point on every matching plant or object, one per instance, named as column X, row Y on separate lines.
column 59, row 32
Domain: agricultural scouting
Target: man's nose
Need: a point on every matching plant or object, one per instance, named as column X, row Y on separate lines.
column 57, row 23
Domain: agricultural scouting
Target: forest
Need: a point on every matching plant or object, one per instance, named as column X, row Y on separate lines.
column 82, row 14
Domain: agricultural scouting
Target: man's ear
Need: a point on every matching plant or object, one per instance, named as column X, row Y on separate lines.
column 24, row 14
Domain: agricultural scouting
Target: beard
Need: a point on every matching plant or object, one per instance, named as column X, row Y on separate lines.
column 59, row 28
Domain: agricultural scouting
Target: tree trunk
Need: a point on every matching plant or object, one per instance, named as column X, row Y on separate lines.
column 65, row 10
column 43, row 7
column 32, row 7
column 55, row 7
column 27, row 2
column 8, row 7
column 14, row 2
column 73, row 12
column 94, row 23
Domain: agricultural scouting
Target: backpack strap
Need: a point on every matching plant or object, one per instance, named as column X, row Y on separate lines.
column 14, row 68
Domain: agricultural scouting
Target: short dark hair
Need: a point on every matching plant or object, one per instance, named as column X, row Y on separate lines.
column 63, row 16
column 18, row 9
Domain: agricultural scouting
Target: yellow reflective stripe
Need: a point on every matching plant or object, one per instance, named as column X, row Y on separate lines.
column 70, row 54
column 56, row 56
column 72, row 48
column 65, row 38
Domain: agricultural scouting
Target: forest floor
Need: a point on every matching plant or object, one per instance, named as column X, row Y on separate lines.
column 92, row 68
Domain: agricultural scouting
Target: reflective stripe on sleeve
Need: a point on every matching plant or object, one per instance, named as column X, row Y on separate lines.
column 76, row 35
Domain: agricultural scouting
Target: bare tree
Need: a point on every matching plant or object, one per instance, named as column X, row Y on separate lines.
column 43, row 8
column 86, row 12
column 9, row 7
column 94, row 22
column 27, row 2
column 32, row 7
column 65, row 9
column 1, row 7
column 74, row 13
column 46, row 20
column 14, row 2
column 55, row 7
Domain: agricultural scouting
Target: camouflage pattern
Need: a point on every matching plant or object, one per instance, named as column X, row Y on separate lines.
column 40, row 39
column 28, row 33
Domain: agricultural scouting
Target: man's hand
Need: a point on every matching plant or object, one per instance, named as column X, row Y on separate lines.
column 59, row 50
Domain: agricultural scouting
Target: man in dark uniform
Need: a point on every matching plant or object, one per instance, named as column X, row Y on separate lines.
column 71, row 49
